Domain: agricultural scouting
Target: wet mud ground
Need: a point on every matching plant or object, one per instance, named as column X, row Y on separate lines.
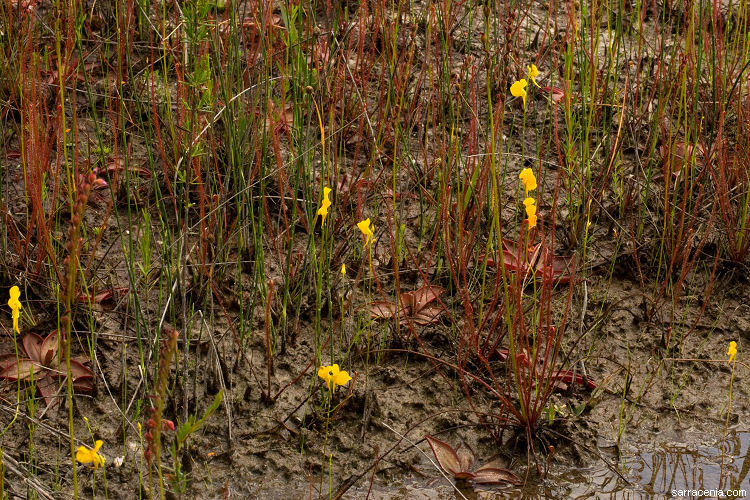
column 649, row 427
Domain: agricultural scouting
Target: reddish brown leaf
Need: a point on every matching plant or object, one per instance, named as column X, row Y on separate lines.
column 414, row 305
column 47, row 389
column 318, row 53
column 79, row 370
column 21, row 370
column 548, row 266
column 70, row 68
column 512, row 263
column 445, row 455
column 680, row 153
column 427, row 315
column 521, row 357
column 567, row 377
column 425, row 295
column 84, row 385
column 512, row 260
column 7, row 360
column 408, row 300
column 32, row 344
column 382, row 310
column 502, row 354
column 464, row 475
column 251, row 27
column 81, row 359
column 491, row 475
column 48, row 350
column 115, row 164
column 103, row 296
column 556, row 93
column 555, row 267
column 465, row 457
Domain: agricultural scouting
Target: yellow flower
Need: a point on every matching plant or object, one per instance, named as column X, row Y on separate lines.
column 367, row 230
column 528, row 180
column 343, row 270
column 333, row 376
column 533, row 73
column 732, row 350
column 86, row 455
column 532, row 221
column 323, row 210
column 529, row 203
column 518, row 89
column 15, row 306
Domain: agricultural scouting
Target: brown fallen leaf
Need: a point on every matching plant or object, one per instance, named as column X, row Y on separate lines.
column 548, row 266
column 458, row 462
column 416, row 306
column 42, row 365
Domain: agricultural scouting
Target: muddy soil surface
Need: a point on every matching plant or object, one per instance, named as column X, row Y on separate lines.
column 284, row 447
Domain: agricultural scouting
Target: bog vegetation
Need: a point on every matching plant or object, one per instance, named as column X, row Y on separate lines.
column 224, row 220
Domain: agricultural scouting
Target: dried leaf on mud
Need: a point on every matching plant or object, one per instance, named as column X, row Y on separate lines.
column 41, row 365
column 415, row 305
column 383, row 310
column 548, row 266
column 567, row 377
column 103, row 296
column 491, row 475
column 465, row 457
column 32, row 344
column 458, row 463
column 21, row 370
column 48, row 350
column 445, row 455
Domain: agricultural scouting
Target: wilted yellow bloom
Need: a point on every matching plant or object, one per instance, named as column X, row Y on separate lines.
column 333, row 376
column 518, row 89
column 732, row 352
column 15, row 306
column 528, row 180
column 533, row 73
column 86, row 455
column 323, row 210
column 343, row 270
column 367, row 230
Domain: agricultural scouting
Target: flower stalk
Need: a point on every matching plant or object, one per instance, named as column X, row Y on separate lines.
column 71, row 268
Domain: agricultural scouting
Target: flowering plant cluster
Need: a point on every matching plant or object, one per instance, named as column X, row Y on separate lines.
column 518, row 89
